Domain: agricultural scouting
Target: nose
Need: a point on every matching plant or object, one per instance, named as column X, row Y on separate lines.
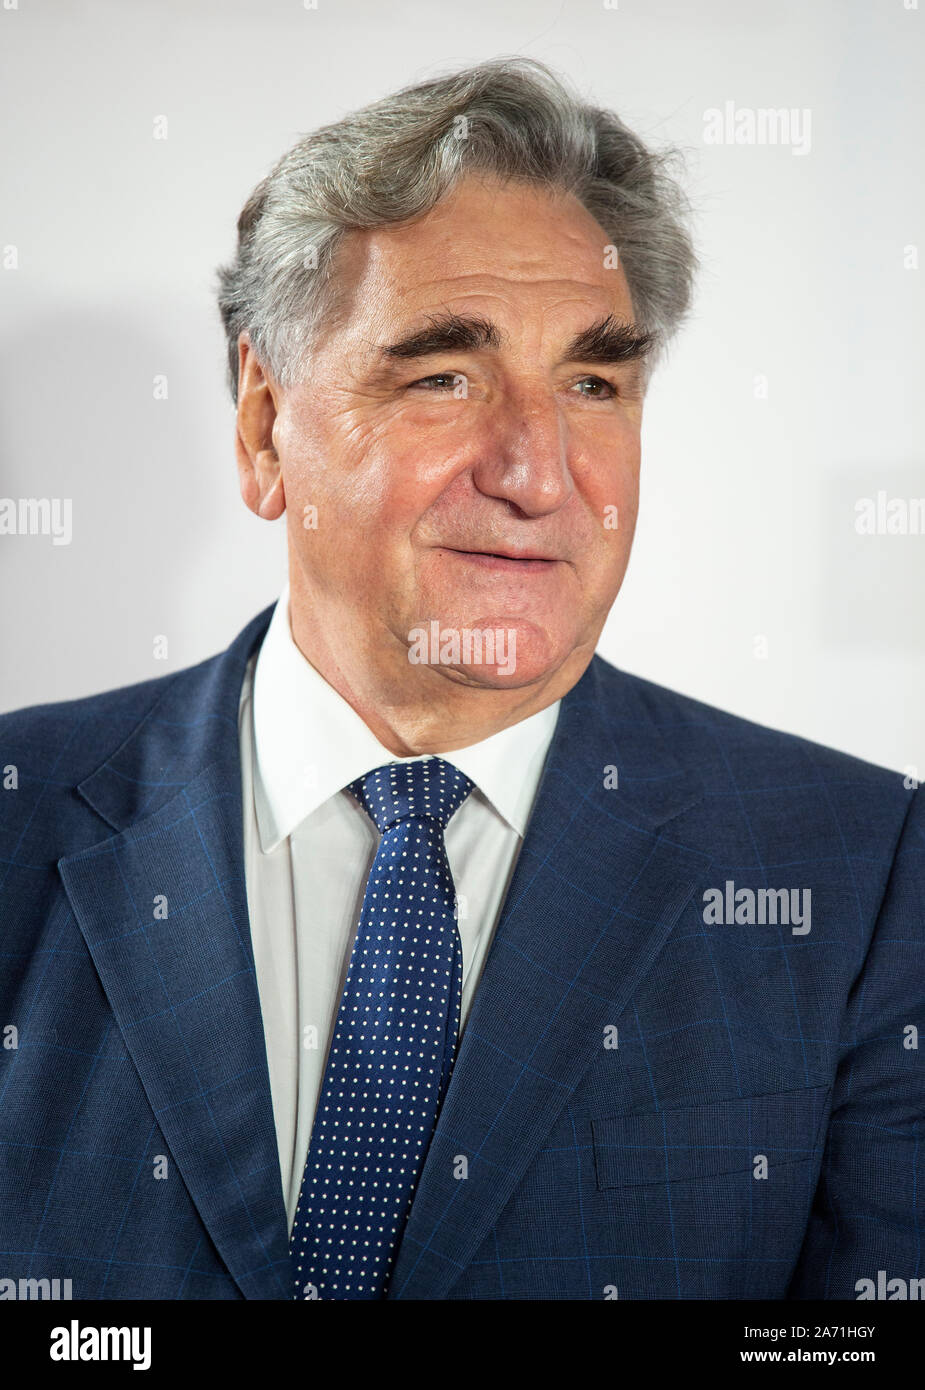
column 524, row 458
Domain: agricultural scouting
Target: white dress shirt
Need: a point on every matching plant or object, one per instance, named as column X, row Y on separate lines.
column 309, row 846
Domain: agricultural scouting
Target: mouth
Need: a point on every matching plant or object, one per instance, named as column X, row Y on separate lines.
column 505, row 560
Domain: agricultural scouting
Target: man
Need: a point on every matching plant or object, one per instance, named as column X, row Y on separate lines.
column 408, row 949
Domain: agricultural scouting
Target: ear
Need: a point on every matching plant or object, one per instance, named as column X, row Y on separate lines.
column 259, row 472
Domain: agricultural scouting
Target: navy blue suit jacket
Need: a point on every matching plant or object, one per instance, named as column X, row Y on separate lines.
column 650, row 1105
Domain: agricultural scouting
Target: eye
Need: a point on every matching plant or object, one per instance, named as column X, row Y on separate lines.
column 440, row 381
column 608, row 393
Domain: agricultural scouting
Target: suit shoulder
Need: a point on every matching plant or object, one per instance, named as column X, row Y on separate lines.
column 55, row 722
column 59, row 743
column 704, row 733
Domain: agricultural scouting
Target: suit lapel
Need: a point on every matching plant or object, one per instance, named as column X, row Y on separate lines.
column 596, row 890
column 182, row 986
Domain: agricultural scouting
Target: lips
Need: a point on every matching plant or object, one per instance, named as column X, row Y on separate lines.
column 520, row 557
column 502, row 562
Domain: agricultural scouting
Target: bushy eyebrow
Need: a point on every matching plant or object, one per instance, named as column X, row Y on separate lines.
column 446, row 333
column 608, row 341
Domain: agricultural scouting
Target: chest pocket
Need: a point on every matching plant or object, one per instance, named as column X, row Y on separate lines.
column 700, row 1141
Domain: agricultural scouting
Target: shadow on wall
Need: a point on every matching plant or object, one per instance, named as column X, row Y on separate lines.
column 156, row 523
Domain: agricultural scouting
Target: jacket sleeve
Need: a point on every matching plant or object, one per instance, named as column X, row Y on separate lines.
column 868, row 1213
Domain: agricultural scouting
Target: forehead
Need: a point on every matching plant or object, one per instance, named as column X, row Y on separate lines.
column 485, row 241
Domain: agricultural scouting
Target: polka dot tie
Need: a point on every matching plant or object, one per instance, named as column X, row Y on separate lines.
column 394, row 1041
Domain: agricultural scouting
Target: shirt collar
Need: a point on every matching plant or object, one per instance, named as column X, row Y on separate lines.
column 310, row 743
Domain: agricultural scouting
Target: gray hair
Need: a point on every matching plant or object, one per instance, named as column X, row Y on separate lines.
column 397, row 158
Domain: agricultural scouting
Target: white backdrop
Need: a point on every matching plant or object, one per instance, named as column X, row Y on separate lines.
column 795, row 391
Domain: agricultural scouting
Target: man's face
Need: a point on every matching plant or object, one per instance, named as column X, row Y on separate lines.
column 470, row 460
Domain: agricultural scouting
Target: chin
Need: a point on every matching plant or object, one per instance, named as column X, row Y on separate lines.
column 494, row 653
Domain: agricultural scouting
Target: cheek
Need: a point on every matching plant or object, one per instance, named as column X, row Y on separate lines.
column 367, row 489
column 396, row 470
column 607, row 477
column 335, row 466
column 423, row 445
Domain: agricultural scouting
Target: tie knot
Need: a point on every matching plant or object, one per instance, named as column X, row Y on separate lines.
column 432, row 789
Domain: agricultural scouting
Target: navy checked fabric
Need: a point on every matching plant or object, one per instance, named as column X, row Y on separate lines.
column 627, row 1070
column 394, row 1042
